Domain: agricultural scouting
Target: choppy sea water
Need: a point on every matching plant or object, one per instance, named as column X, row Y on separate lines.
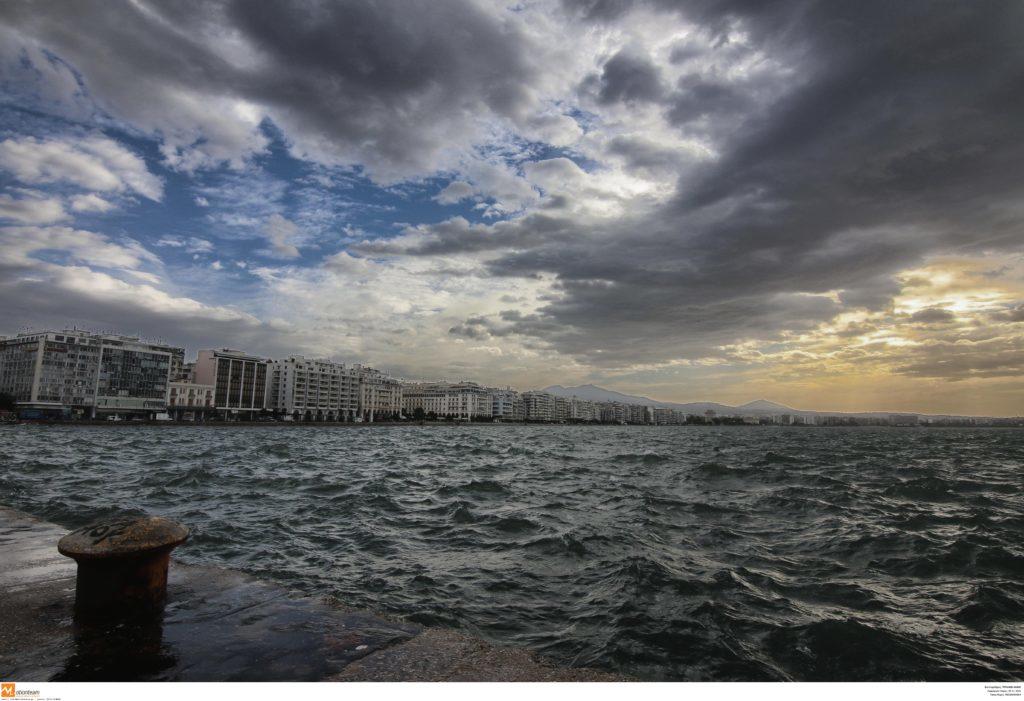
column 669, row 553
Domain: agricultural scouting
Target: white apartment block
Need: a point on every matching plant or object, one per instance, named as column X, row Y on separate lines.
column 583, row 410
column 538, row 406
column 667, row 417
column 614, row 413
column 640, row 414
column 462, row 400
column 506, row 405
column 314, row 390
column 380, row 396
column 72, row 371
column 561, row 409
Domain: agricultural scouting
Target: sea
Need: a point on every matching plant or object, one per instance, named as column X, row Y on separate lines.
column 703, row 553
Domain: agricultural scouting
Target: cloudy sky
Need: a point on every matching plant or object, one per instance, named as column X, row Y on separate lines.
column 818, row 203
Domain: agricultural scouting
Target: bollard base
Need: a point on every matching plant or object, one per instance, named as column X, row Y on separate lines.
column 132, row 587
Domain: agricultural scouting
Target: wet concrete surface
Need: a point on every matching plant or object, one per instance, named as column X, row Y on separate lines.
column 221, row 625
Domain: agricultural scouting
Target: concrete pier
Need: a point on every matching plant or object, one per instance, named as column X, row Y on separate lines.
column 221, row 625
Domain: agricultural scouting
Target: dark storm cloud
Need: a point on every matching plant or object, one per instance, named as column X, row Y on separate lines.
column 382, row 83
column 1012, row 315
column 698, row 98
column 949, row 359
column 932, row 315
column 458, row 235
column 629, row 77
column 893, row 133
column 899, row 137
column 644, row 155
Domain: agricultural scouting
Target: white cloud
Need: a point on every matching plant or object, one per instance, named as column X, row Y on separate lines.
column 31, row 208
column 455, row 192
column 92, row 163
column 191, row 244
column 19, row 243
column 280, row 232
column 90, row 203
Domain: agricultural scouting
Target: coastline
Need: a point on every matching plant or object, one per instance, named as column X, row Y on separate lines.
column 462, row 424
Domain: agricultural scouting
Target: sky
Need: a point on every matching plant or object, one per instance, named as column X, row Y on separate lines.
column 819, row 203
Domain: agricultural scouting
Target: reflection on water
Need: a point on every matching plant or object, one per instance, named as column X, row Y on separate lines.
column 118, row 650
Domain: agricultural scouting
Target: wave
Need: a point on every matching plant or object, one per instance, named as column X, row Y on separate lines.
column 675, row 553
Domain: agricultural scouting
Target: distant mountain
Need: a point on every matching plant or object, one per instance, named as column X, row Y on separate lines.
column 758, row 407
column 594, row 393
column 765, row 405
column 600, row 394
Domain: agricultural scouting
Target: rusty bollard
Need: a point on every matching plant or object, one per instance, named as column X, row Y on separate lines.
column 122, row 565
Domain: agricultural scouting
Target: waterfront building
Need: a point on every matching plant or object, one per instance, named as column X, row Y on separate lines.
column 665, row 417
column 583, row 411
column 239, row 380
column 72, row 372
column 560, row 409
column 614, row 412
column 178, row 371
column 538, row 406
column 506, row 405
column 304, row 389
column 462, row 400
column 639, row 414
column 186, row 372
column 188, row 401
column 380, row 396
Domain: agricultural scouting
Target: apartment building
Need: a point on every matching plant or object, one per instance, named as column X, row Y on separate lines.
column 305, row 389
column 380, row 395
column 71, row 372
column 614, row 413
column 506, row 405
column 239, row 380
column 189, row 401
column 561, row 409
column 583, row 411
column 538, row 406
column 461, row 400
column 640, row 414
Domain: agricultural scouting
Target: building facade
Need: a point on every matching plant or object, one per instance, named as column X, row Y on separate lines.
column 380, row 396
column 304, row 389
column 462, row 400
column 65, row 373
column 538, row 406
column 583, row 411
column 189, row 401
column 561, row 409
column 506, row 405
column 239, row 380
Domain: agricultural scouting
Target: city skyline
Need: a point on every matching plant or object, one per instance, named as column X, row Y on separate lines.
column 810, row 203
column 29, row 370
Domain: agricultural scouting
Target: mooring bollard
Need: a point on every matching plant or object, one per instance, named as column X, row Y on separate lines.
column 122, row 565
